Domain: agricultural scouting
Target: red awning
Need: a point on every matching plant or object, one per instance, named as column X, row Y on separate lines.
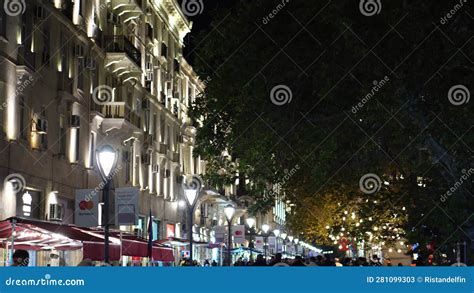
column 96, row 251
column 164, row 254
column 41, row 235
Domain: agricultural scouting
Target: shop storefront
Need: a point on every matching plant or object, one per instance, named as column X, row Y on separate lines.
column 56, row 244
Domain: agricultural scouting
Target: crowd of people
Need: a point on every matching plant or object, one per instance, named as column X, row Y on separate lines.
column 321, row 260
column 21, row 258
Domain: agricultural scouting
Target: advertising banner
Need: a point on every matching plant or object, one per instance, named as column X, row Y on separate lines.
column 170, row 230
column 219, row 233
column 238, row 232
column 271, row 243
column 126, row 206
column 259, row 242
column 86, row 212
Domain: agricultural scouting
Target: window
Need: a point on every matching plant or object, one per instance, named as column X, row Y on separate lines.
column 44, row 136
column 62, row 135
column 64, row 56
column 141, row 223
column 81, row 7
column 23, row 118
column 76, row 153
column 156, row 229
column 28, row 204
column 92, row 143
column 46, row 45
column 128, row 167
column 80, row 74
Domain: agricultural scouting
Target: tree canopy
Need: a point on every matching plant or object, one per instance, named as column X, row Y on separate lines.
column 320, row 85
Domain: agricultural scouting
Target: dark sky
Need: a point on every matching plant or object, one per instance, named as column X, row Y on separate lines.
column 202, row 22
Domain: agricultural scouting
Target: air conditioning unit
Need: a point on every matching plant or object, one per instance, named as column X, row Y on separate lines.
column 55, row 212
column 149, row 76
column 90, row 63
column 75, row 121
column 79, row 51
column 41, row 126
column 155, row 168
column 39, row 12
column 113, row 18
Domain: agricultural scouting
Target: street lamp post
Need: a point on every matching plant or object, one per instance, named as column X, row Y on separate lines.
column 250, row 222
column 290, row 238
column 265, row 229
column 192, row 188
column 229, row 212
column 283, row 236
column 107, row 161
column 276, row 232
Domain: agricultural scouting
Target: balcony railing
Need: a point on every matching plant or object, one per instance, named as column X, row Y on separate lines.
column 120, row 44
column 120, row 110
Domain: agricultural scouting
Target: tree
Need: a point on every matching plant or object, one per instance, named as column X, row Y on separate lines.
column 322, row 86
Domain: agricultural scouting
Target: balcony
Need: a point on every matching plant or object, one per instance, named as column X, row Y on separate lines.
column 122, row 45
column 119, row 115
column 128, row 9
